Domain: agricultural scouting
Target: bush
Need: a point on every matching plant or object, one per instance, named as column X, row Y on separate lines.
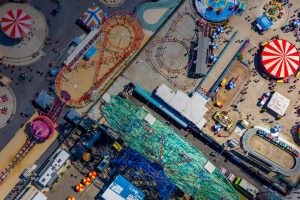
column 240, row 57
column 68, row 166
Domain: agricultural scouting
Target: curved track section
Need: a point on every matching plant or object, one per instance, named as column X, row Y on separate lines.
column 276, row 167
column 121, row 35
column 159, row 59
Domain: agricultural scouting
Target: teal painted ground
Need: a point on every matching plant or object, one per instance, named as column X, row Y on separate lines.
column 171, row 5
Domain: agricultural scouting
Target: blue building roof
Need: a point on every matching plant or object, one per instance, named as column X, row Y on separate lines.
column 121, row 188
column 73, row 116
column 44, row 100
column 90, row 53
column 264, row 22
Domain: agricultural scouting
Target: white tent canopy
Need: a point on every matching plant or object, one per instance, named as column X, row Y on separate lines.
column 279, row 103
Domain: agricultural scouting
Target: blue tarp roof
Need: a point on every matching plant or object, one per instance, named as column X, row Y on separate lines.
column 264, row 22
column 77, row 40
column 73, row 116
column 123, row 188
column 90, row 53
column 44, row 99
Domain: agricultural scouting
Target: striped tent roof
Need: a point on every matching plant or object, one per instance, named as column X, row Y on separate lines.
column 280, row 59
column 93, row 17
column 16, row 23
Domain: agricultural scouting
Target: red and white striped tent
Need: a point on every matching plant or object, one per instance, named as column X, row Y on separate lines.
column 280, row 59
column 16, row 23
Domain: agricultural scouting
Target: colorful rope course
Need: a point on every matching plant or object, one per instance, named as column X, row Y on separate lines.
column 158, row 142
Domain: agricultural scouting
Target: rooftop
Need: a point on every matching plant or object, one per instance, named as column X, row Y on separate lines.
column 278, row 103
column 51, row 172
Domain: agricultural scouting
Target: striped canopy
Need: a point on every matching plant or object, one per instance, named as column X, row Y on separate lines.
column 93, row 17
column 16, row 23
column 280, row 59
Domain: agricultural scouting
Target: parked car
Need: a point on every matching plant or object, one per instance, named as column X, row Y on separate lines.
column 264, row 99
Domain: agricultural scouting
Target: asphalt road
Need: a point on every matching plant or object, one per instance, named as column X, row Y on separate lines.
column 62, row 27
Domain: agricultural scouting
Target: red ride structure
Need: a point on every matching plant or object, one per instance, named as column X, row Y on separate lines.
column 41, row 128
column 121, row 36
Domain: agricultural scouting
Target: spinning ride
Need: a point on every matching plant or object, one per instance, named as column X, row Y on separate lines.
column 41, row 128
column 217, row 10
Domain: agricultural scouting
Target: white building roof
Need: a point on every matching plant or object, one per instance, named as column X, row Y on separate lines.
column 249, row 187
column 149, row 118
column 39, row 196
column 179, row 101
column 192, row 108
column 201, row 123
column 51, row 171
column 165, row 93
column 209, row 167
column 279, row 103
column 195, row 109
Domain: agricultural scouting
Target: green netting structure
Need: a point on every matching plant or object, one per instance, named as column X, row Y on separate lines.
column 182, row 162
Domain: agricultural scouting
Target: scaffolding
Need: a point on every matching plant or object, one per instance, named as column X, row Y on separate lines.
column 158, row 142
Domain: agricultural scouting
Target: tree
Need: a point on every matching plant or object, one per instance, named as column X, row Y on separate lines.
column 240, row 57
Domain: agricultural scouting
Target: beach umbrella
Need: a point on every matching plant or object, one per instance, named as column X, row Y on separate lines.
column 215, row 35
column 53, row 71
column 296, row 22
column 16, row 23
column 86, row 181
column 71, row 198
column 79, row 187
column 280, row 59
column 277, row 128
column 92, row 174
column 213, row 58
column 214, row 45
column 217, row 127
column 220, row 29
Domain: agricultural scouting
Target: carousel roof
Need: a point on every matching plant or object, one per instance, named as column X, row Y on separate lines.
column 280, row 59
column 16, row 23
column 217, row 10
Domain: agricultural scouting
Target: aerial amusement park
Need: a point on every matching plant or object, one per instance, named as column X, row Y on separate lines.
column 166, row 99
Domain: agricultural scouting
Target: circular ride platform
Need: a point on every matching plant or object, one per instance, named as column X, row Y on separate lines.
column 216, row 10
column 7, row 105
column 121, row 36
column 41, row 128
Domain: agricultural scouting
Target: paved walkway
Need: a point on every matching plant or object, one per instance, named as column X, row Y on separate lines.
column 227, row 54
column 287, row 172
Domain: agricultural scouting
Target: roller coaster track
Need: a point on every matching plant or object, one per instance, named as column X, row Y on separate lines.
column 111, row 51
column 25, row 149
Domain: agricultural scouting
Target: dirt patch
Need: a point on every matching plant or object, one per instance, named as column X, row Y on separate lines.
column 271, row 152
column 239, row 72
